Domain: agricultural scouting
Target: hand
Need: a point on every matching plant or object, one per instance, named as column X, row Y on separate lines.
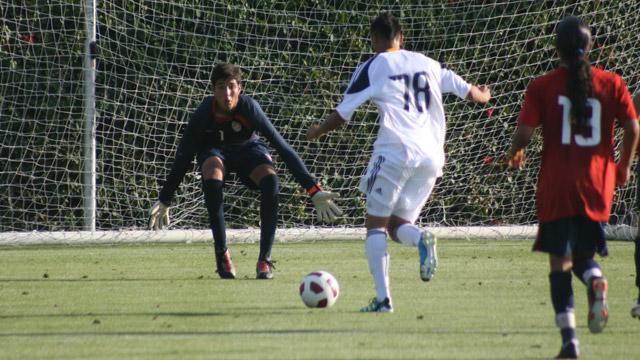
column 158, row 216
column 326, row 208
column 313, row 132
column 515, row 160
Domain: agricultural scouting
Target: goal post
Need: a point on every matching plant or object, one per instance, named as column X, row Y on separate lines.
column 151, row 62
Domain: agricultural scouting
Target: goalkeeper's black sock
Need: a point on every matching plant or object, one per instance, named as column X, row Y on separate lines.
column 269, row 190
column 213, row 199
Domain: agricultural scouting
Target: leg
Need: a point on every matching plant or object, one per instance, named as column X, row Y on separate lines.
column 411, row 200
column 381, row 185
column 585, row 267
column 589, row 272
column 636, row 255
column 212, row 184
column 635, row 310
column 563, row 303
column 264, row 176
column 378, row 260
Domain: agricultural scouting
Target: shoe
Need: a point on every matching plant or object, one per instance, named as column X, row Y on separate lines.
column 598, row 307
column 428, row 255
column 635, row 311
column 225, row 266
column 264, row 269
column 569, row 350
column 383, row 306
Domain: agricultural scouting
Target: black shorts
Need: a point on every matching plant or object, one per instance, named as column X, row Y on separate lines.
column 240, row 160
column 571, row 236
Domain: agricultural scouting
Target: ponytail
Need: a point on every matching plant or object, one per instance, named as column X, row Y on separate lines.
column 579, row 89
column 573, row 41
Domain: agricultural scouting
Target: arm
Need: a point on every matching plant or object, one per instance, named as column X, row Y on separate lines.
column 252, row 111
column 520, row 140
column 628, row 148
column 333, row 121
column 184, row 155
column 322, row 200
column 479, row 94
column 159, row 212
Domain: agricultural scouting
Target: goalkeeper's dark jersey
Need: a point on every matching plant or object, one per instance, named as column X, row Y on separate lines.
column 209, row 129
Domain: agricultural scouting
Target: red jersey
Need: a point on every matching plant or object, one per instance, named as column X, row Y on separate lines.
column 577, row 174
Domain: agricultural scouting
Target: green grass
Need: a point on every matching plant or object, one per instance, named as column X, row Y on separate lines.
column 489, row 300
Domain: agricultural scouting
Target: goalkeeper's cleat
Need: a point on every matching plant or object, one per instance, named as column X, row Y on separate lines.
column 225, row 266
column 383, row 306
column 635, row 310
column 264, row 269
column 598, row 307
column 428, row 255
column 569, row 350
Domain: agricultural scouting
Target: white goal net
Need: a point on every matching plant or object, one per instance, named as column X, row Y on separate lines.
column 152, row 69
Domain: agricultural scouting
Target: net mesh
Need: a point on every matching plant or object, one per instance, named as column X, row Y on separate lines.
column 153, row 66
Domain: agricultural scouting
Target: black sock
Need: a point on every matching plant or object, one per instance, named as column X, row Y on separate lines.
column 269, row 190
column 213, row 199
column 563, row 304
column 580, row 266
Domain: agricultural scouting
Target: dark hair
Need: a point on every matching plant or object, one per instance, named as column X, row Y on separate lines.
column 225, row 72
column 386, row 26
column 573, row 38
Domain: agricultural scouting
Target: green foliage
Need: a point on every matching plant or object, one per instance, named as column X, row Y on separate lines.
column 153, row 69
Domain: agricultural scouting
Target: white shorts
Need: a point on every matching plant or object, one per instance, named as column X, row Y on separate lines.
column 395, row 187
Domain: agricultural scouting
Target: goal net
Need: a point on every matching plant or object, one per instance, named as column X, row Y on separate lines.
column 152, row 69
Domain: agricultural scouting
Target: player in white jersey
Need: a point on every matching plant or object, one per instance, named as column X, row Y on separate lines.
column 408, row 154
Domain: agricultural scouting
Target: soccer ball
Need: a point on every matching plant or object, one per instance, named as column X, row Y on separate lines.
column 319, row 289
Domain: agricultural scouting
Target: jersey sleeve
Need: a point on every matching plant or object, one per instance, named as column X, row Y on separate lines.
column 451, row 82
column 531, row 111
column 184, row 155
column 358, row 91
column 252, row 111
column 625, row 110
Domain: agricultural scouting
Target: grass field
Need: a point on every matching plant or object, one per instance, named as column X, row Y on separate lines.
column 489, row 300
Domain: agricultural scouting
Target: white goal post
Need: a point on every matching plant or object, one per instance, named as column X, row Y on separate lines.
column 68, row 180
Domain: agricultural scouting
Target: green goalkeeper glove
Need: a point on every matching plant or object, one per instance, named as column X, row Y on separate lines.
column 323, row 201
column 158, row 216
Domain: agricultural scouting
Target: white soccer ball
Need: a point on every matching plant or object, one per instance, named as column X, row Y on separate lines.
column 319, row 289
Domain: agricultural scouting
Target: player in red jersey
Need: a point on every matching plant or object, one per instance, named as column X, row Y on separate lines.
column 635, row 309
column 577, row 106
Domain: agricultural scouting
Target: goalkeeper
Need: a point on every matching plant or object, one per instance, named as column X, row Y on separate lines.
column 222, row 134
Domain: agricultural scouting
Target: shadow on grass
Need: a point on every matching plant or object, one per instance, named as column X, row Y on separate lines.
column 200, row 278
column 251, row 332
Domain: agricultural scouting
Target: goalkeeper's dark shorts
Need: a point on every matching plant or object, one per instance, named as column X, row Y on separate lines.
column 571, row 236
column 240, row 159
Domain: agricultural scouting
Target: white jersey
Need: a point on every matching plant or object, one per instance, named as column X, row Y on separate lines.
column 407, row 88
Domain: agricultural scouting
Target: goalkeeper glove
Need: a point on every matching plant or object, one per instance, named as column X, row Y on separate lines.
column 323, row 201
column 158, row 216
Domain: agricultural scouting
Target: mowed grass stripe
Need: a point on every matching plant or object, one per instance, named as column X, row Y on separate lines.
column 488, row 300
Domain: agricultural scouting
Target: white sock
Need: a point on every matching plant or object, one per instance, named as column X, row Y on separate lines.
column 378, row 258
column 592, row 272
column 408, row 234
